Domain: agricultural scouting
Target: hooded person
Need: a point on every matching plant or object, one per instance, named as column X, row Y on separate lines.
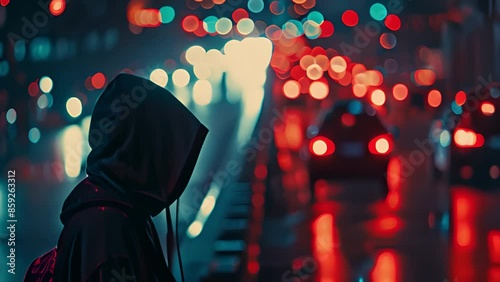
column 145, row 145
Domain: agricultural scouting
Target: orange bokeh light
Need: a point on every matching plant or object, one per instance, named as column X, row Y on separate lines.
column 424, row 77
column 400, row 92
column 434, row 98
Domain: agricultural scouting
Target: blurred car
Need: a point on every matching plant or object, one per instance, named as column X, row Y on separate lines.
column 467, row 143
column 350, row 142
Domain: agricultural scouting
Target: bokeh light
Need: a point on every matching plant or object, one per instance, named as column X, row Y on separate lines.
column 350, row 18
column 460, row 98
column 327, row 29
column 400, row 92
column 338, row 64
column 245, row 26
column 223, row 26
column 11, row 116
column 202, row 70
column 195, row 54
column 378, row 11
column 312, row 30
column 291, row 89
column 181, row 78
column 424, row 77
column 33, row 89
column 74, row 107
column 167, row 14
column 392, row 22
column 487, row 108
column 98, row 80
column 239, row 14
column 209, row 24
column 314, row 72
column 159, row 76
column 316, row 17
column 359, row 90
column 292, row 29
column 388, row 40
column 277, row 7
column 378, row 97
column 43, row 101
column 202, row 92
column 34, row 135
column 190, row 23
column 57, row 7
column 318, row 90
column 255, row 6
column 4, row 3
column 46, row 84
column 434, row 98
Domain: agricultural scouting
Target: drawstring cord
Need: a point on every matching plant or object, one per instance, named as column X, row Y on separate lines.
column 170, row 239
column 177, row 239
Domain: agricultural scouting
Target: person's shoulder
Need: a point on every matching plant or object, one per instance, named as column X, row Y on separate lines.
column 100, row 217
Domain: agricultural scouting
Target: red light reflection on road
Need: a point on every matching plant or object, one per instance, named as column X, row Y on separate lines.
column 387, row 226
column 494, row 246
column 386, row 267
column 323, row 231
column 463, row 214
column 324, row 244
column 394, row 182
column 494, row 274
column 389, row 223
column 290, row 135
column 393, row 200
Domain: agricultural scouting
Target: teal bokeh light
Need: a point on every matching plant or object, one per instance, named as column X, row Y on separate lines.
column 167, row 14
column 255, row 6
column 378, row 12
column 316, row 17
column 209, row 24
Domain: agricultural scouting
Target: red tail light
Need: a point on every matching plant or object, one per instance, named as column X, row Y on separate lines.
column 466, row 138
column 321, row 146
column 381, row 145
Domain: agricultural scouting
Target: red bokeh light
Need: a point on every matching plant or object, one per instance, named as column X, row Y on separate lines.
column 385, row 268
column 253, row 267
column 348, row 119
column 393, row 22
column 33, row 88
column 260, row 171
column 350, row 18
column 239, row 14
column 322, row 146
column 4, row 3
column 190, row 23
column 318, row 50
column 494, row 245
column 327, row 29
column 98, row 80
column 297, row 72
column 200, row 31
column 460, row 98
column 381, row 145
column 389, row 223
column 57, row 7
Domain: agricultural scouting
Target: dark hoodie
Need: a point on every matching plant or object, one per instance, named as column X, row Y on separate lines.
column 145, row 145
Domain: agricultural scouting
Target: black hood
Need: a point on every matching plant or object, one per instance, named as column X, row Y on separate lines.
column 145, row 144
